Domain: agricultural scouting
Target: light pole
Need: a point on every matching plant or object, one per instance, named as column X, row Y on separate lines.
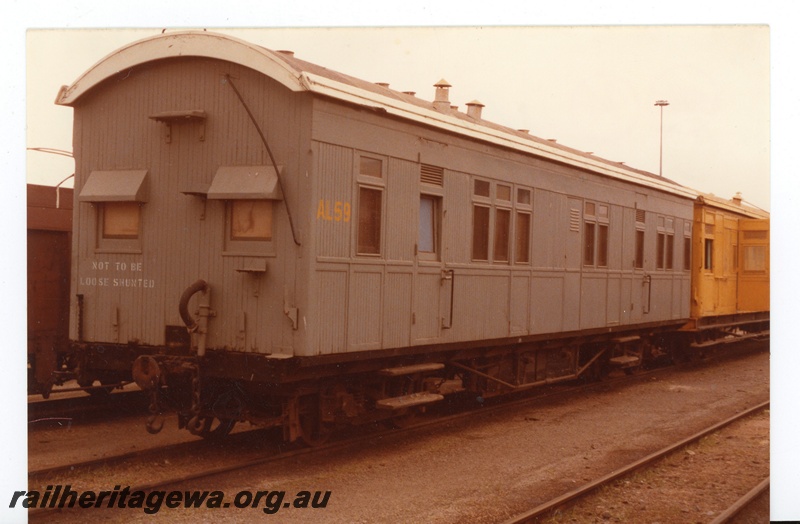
column 661, row 104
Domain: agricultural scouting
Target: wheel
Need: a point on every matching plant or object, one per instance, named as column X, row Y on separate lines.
column 313, row 430
column 212, row 428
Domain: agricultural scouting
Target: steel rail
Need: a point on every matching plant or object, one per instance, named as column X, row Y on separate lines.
column 547, row 507
column 343, row 444
column 328, row 447
column 739, row 505
column 104, row 461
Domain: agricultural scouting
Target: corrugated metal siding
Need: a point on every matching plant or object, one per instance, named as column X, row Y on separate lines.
column 182, row 236
column 365, row 308
column 549, row 240
column 457, row 224
column 332, row 308
column 402, row 209
column 334, row 181
column 397, row 307
column 427, row 296
column 614, row 301
column 520, row 303
column 547, row 296
column 482, row 304
column 593, row 301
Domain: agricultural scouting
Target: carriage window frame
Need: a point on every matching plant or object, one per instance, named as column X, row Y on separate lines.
column 126, row 217
column 502, row 239
column 639, row 242
column 481, row 246
column 687, row 253
column 708, row 254
column 432, row 227
column 523, row 214
column 501, row 248
column 249, row 245
column 105, row 190
column 370, row 179
column 253, row 190
column 500, row 210
column 596, row 230
column 754, row 259
column 109, row 243
column 665, row 243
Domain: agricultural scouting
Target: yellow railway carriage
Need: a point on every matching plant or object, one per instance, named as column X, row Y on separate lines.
column 730, row 268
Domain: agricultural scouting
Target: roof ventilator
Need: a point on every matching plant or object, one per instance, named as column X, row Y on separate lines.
column 474, row 109
column 442, row 100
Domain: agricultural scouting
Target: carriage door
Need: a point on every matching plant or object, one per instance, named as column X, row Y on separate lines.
column 753, row 266
column 641, row 284
column 433, row 294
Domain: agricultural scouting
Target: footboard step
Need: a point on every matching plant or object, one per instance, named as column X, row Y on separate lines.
column 407, row 401
column 624, row 361
column 409, row 370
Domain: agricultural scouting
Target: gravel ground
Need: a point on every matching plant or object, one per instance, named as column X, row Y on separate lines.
column 487, row 468
column 691, row 485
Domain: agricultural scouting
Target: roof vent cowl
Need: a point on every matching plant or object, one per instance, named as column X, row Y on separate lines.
column 474, row 109
column 442, row 100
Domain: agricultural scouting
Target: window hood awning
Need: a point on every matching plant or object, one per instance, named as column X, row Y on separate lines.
column 115, row 186
column 246, row 183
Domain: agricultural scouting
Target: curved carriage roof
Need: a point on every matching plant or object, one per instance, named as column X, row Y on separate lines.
column 299, row 75
column 734, row 205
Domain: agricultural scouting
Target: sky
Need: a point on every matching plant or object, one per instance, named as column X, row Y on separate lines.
column 586, row 73
column 591, row 88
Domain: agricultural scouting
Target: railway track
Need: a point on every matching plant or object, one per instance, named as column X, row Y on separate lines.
column 248, row 449
column 274, row 451
column 548, row 508
column 741, row 505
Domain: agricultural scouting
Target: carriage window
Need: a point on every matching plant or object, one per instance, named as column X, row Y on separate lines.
column 428, row 225
column 660, row 242
column 588, row 244
column 687, row 253
column 251, row 220
column 369, row 221
column 755, row 258
column 121, row 220
column 595, row 234
column 708, row 258
column 371, row 167
column 480, row 233
column 638, row 262
column 504, row 193
column 602, row 245
column 522, row 235
column 502, row 226
column 670, row 262
column 482, row 188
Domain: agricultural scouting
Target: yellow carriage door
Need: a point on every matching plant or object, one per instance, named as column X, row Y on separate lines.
column 753, row 288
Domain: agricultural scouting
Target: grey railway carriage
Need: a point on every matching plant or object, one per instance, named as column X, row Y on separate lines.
column 266, row 240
